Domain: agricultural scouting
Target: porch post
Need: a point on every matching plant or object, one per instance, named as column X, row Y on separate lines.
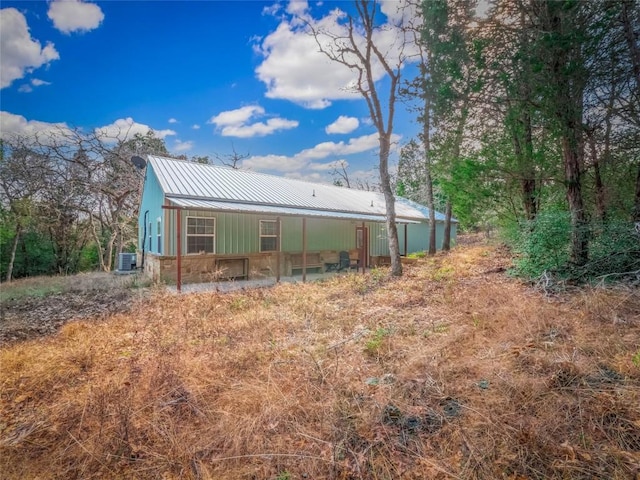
column 179, row 250
column 278, row 250
column 365, row 241
column 304, row 249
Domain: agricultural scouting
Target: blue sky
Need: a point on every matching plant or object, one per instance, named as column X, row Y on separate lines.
column 204, row 75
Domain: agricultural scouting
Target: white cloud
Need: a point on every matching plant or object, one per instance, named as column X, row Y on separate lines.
column 354, row 145
column 11, row 124
column 235, row 123
column 280, row 163
column 173, row 120
column 272, row 10
column 237, row 116
column 297, row 7
column 343, row 124
column 125, row 128
column 35, row 82
column 310, row 177
column 258, row 129
column 75, row 15
column 326, row 167
column 195, row 126
column 305, row 158
column 295, row 69
column 19, row 53
column 181, row 146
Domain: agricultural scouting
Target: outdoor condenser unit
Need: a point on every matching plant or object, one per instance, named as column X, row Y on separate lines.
column 126, row 262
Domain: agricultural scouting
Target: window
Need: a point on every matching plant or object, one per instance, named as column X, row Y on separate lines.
column 201, row 235
column 149, row 233
column 159, row 235
column 268, row 235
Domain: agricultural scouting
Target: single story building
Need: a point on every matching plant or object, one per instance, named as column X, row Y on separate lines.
column 210, row 222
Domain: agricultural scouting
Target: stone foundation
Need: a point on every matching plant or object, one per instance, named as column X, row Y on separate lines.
column 204, row 268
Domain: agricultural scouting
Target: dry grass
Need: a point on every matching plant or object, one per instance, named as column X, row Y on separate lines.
column 448, row 372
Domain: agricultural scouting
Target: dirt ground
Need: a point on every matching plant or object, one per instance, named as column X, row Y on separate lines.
column 29, row 318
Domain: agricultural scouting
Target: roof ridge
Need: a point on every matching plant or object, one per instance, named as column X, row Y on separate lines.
column 252, row 172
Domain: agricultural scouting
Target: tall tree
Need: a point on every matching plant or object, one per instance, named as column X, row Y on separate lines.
column 24, row 174
column 421, row 88
column 562, row 44
column 356, row 49
column 455, row 77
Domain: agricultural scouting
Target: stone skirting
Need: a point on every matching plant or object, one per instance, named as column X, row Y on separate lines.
column 202, row 268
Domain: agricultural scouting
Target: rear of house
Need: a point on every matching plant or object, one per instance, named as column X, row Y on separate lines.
column 215, row 222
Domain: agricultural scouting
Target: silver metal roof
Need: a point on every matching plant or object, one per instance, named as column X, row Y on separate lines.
column 273, row 210
column 222, row 188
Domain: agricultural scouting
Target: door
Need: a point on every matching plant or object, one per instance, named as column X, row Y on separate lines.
column 362, row 244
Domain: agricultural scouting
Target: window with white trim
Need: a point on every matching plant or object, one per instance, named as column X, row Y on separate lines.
column 150, row 237
column 268, row 235
column 201, row 235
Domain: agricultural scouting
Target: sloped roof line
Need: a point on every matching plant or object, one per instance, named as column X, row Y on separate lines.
column 184, row 179
column 187, row 200
column 188, row 203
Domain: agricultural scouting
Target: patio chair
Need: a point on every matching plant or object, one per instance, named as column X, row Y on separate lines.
column 344, row 260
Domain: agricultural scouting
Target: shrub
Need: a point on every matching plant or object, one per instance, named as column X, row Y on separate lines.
column 543, row 247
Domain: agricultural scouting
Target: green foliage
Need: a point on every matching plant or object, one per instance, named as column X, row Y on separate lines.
column 614, row 251
column 373, row 345
column 636, row 359
column 543, row 247
column 89, row 258
column 34, row 254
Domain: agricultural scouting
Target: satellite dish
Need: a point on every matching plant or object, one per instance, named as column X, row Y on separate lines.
column 139, row 162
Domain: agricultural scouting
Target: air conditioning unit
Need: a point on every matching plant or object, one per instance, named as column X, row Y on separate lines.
column 126, row 262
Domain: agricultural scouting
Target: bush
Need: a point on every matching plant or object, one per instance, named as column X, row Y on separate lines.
column 543, row 247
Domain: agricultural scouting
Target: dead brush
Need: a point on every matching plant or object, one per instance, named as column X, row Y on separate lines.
column 278, row 383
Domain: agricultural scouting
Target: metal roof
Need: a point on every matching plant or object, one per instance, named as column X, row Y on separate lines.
column 222, row 188
column 273, row 210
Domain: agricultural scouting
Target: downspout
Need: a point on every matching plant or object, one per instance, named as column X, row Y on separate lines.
column 406, row 239
column 144, row 237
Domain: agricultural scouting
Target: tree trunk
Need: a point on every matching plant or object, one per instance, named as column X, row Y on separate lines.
column 432, row 213
column 579, row 226
column 14, row 248
column 426, row 140
column 636, row 213
column 98, row 241
column 601, row 212
column 108, row 262
column 390, row 203
column 527, row 177
column 446, row 240
column 634, row 51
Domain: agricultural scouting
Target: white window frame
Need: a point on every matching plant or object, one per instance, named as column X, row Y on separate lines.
column 150, row 235
column 188, row 235
column 276, row 236
column 159, row 235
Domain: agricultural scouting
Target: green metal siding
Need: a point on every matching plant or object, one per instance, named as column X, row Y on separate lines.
column 237, row 233
column 418, row 236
